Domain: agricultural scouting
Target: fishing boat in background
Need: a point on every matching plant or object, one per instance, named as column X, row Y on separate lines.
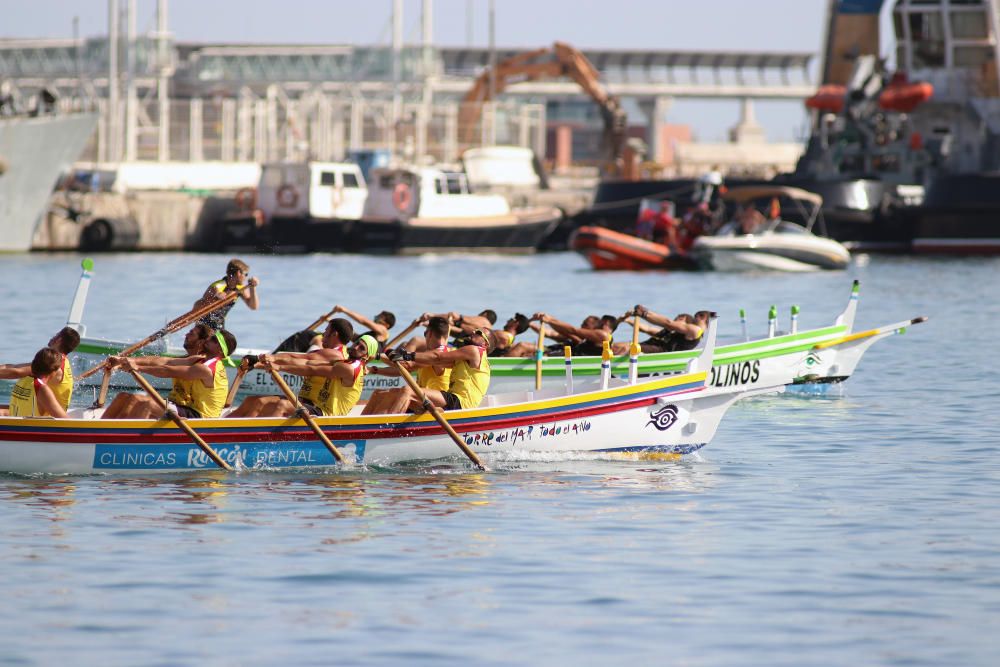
column 674, row 415
column 773, row 243
column 418, row 210
column 297, row 207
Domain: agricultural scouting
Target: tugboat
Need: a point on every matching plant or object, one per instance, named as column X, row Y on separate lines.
column 907, row 161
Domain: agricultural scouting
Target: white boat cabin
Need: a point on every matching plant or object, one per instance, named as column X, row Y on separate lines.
column 312, row 190
column 428, row 193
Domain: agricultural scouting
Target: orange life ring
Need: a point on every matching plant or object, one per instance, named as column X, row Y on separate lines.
column 246, row 199
column 288, row 196
column 401, row 196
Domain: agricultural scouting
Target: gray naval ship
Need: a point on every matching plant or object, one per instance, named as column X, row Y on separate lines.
column 35, row 149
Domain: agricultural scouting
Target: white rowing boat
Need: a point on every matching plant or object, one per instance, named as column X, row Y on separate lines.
column 673, row 415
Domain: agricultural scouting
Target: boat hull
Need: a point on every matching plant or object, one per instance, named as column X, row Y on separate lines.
column 35, row 150
column 674, row 415
column 818, row 356
column 518, row 233
column 770, row 251
column 608, row 250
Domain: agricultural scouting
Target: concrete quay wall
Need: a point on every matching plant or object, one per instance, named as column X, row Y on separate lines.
column 160, row 220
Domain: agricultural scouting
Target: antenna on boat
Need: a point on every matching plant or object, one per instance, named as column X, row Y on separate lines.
column 772, row 321
column 73, row 319
column 743, row 323
column 795, row 319
column 846, row 318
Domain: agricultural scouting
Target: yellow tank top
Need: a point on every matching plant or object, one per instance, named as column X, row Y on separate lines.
column 334, row 399
column 315, row 386
column 63, row 389
column 470, row 384
column 428, row 378
column 209, row 401
column 180, row 392
column 22, row 399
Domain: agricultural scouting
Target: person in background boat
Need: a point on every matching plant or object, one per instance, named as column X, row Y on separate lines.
column 378, row 327
column 698, row 221
column 470, row 374
column 505, row 336
column 749, row 219
column 142, row 406
column 681, row 333
column 339, row 380
column 315, row 390
column 389, row 401
column 209, row 384
column 236, row 280
column 32, row 396
column 708, row 183
column 61, row 381
column 588, row 338
column 665, row 226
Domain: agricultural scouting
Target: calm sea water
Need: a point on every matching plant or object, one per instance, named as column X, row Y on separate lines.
column 856, row 526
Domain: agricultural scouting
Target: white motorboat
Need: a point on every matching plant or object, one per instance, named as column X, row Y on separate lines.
column 774, row 243
column 414, row 210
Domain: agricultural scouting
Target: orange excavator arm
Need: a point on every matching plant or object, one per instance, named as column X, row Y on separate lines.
column 561, row 60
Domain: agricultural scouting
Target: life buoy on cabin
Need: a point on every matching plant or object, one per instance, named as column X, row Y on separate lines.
column 246, row 199
column 401, row 196
column 288, row 196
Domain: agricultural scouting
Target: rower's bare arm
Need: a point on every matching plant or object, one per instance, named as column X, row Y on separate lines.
column 249, row 294
column 14, row 371
column 361, row 319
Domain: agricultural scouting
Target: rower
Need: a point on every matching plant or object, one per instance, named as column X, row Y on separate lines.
column 32, row 396
column 378, row 327
column 339, row 381
column 61, row 381
column 209, row 384
column 237, row 272
column 314, row 392
column 681, row 333
column 388, row 401
column 142, row 406
column 505, row 336
column 588, row 338
column 470, row 375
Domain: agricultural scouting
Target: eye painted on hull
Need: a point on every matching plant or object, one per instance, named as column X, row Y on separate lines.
column 663, row 418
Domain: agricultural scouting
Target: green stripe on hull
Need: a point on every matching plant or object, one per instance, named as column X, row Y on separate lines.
column 669, row 362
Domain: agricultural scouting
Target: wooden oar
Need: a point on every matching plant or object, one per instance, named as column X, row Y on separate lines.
column 320, row 321
column 183, row 425
column 430, row 407
column 174, row 325
column 305, row 416
column 539, row 353
column 237, row 381
column 402, row 335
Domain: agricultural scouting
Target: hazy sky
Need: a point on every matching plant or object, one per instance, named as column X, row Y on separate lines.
column 729, row 25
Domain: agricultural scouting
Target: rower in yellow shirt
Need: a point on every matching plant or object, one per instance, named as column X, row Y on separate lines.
column 209, row 384
column 61, row 380
column 32, row 396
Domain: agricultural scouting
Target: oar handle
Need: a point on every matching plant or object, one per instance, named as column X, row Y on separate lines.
column 183, row 425
column 234, row 388
column 305, row 416
column 430, row 407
